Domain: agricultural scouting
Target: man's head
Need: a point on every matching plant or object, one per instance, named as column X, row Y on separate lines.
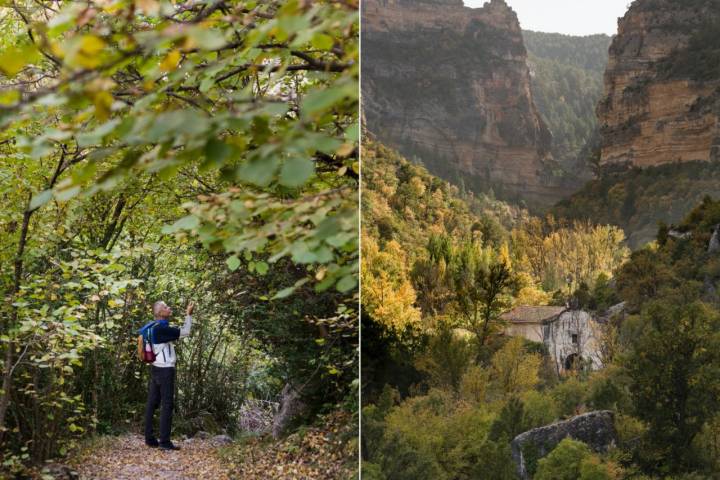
column 161, row 310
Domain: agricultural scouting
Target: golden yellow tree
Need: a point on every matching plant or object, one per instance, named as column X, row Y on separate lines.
column 514, row 370
column 387, row 294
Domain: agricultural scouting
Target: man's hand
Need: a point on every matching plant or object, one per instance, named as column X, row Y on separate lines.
column 190, row 308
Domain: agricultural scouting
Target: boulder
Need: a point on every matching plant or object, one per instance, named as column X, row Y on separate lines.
column 714, row 245
column 60, row 472
column 596, row 429
column 221, row 439
column 291, row 407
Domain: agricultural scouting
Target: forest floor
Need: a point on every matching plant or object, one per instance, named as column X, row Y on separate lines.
column 326, row 452
column 127, row 457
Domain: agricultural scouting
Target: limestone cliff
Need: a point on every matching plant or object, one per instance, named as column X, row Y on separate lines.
column 662, row 85
column 450, row 85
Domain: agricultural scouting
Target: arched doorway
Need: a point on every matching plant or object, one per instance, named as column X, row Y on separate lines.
column 573, row 362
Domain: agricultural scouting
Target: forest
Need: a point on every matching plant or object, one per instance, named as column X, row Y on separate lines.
column 200, row 151
column 446, row 389
column 566, row 75
column 636, row 199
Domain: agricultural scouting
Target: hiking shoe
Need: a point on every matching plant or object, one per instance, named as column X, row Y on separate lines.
column 152, row 443
column 169, row 446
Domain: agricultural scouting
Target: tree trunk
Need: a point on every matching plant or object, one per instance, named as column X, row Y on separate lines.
column 12, row 320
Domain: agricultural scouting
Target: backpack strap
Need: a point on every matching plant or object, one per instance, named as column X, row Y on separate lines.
column 148, row 331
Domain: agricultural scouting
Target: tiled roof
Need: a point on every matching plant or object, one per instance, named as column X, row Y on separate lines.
column 532, row 314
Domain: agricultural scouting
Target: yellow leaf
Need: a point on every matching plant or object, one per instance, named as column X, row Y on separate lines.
column 57, row 49
column 85, row 52
column 91, row 45
column 11, row 63
column 14, row 59
column 171, row 61
column 8, row 97
column 102, row 101
column 345, row 149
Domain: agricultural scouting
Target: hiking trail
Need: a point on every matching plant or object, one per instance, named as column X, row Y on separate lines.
column 126, row 457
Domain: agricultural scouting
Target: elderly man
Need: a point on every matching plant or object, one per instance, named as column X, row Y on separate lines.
column 161, row 388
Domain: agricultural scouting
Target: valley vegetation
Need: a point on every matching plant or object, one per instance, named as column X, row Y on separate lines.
column 445, row 390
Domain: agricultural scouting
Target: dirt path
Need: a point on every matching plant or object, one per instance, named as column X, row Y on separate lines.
column 127, row 458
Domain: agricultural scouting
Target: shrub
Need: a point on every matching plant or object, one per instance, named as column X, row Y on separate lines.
column 569, row 396
column 473, row 385
column 400, row 460
column 540, row 409
column 564, row 462
column 606, row 391
column 446, row 360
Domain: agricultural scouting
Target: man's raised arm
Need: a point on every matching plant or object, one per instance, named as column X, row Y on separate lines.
column 185, row 329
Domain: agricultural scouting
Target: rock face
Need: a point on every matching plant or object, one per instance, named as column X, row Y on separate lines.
column 596, row 429
column 291, row 407
column 449, row 84
column 714, row 245
column 662, row 85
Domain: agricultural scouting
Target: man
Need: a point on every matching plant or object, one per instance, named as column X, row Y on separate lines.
column 161, row 388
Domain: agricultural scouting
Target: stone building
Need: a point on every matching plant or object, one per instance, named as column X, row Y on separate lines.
column 571, row 336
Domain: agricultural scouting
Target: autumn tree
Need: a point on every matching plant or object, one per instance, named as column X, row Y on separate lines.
column 388, row 294
column 514, row 370
column 481, row 284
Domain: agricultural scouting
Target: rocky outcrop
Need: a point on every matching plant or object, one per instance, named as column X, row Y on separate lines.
column 292, row 407
column 714, row 245
column 449, row 85
column 596, row 429
column 662, row 85
column 59, row 471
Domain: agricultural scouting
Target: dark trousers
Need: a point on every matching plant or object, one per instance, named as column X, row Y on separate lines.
column 161, row 392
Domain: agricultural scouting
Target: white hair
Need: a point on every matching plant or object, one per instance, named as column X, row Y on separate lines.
column 156, row 307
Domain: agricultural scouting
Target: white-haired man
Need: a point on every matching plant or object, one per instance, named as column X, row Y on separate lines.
column 161, row 387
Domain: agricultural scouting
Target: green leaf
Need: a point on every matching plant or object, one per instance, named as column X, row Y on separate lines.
column 217, row 151
column 284, row 293
column 261, row 268
column 207, row 39
column 259, row 171
column 67, row 194
column 346, row 283
column 296, row 171
column 319, row 100
column 233, row 263
column 186, row 223
column 302, row 254
column 40, row 199
column 322, row 41
column 352, row 134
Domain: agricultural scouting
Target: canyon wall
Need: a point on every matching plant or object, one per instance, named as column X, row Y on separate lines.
column 449, row 85
column 662, row 85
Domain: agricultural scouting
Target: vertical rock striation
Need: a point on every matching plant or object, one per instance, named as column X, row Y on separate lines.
column 450, row 85
column 662, row 85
